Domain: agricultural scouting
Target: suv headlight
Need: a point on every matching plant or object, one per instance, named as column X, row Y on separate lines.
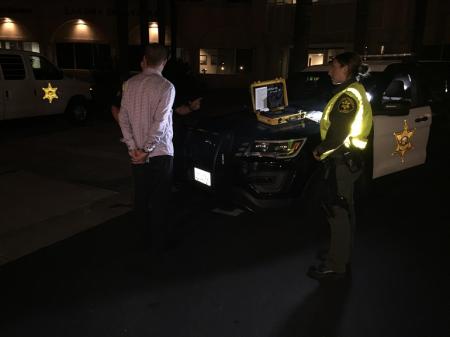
column 278, row 149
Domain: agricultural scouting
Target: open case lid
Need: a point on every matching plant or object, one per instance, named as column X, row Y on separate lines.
column 269, row 96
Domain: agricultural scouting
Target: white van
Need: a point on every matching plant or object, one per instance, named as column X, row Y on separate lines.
column 30, row 85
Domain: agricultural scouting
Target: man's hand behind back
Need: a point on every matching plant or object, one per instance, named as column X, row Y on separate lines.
column 138, row 156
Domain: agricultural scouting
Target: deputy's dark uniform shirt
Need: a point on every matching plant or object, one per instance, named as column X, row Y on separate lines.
column 341, row 119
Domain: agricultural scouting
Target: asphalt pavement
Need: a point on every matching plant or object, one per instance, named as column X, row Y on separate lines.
column 241, row 275
column 57, row 180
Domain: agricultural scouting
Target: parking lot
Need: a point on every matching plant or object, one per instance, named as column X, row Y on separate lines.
column 74, row 269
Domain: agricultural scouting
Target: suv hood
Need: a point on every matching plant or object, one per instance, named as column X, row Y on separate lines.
column 244, row 125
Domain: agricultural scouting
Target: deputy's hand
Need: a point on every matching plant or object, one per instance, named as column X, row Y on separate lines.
column 115, row 113
column 183, row 110
column 316, row 155
column 195, row 104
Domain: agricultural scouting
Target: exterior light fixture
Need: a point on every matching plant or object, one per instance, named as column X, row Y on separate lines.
column 222, row 68
column 82, row 30
column 153, row 32
column 241, row 67
column 8, row 29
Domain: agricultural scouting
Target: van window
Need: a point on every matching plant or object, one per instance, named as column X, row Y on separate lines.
column 44, row 70
column 12, row 67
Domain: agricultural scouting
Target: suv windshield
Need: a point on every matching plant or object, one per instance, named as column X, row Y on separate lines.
column 309, row 90
column 312, row 90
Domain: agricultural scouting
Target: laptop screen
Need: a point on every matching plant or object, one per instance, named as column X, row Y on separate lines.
column 269, row 95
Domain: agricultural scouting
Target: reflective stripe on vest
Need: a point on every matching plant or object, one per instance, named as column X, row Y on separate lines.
column 361, row 125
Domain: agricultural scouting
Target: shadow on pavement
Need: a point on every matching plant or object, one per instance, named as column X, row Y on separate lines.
column 320, row 313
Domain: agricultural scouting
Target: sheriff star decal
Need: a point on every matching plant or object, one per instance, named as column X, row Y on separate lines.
column 50, row 93
column 403, row 139
column 346, row 105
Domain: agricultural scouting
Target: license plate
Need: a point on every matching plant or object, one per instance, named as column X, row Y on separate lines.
column 202, row 176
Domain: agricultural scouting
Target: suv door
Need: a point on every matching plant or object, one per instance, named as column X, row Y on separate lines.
column 402, row 122
column 18, row 90
column 48, row 86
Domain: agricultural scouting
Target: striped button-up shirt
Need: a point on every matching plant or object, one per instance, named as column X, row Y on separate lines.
column 146, row 113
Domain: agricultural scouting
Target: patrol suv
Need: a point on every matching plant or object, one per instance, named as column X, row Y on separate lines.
column 30, row 85
column 268, row 165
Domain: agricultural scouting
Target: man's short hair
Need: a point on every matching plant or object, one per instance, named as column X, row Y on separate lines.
column 155, row 54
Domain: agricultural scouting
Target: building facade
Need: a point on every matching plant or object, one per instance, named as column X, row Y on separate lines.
column 230, row 42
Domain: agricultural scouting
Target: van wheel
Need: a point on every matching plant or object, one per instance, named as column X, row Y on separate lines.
column 77, row 112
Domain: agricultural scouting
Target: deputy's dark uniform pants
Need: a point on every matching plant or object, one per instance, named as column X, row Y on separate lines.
column 342, row 219
column 152, row 187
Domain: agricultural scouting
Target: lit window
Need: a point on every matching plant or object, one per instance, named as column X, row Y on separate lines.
column 31, row 46
column 282, row 2
column 315, row 59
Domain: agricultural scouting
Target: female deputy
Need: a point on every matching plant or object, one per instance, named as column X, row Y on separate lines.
column 344, row 128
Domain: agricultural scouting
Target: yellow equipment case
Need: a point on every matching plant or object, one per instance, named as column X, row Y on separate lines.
column 270, row 103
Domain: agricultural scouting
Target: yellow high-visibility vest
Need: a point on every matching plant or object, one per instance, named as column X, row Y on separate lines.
column 361, row 125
